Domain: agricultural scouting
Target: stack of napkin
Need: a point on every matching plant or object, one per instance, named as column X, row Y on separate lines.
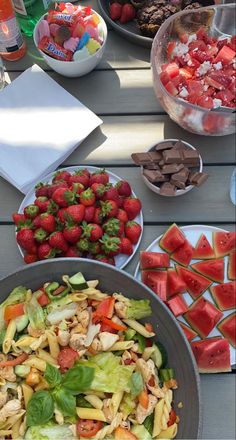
column 41, row 124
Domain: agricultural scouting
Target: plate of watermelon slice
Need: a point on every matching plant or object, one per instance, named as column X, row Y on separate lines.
column 193, row 270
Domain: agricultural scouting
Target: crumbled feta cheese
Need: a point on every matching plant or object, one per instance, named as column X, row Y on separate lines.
column 217, row 103
column 204, row 68
column 180, row 49
column 191, row 38
column 183, row 92
column 233, row 62
column 218, row 66
column 205, row 87
column 189, row 63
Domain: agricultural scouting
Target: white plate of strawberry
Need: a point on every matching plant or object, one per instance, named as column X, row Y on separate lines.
column 83, row 212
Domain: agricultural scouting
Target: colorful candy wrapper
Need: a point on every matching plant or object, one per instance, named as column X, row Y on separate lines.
column 83, row 41
column 60, row 18
column 71, row 44
column 54, row 50
column 92, row 31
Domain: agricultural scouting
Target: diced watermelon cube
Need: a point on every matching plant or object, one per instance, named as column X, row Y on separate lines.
column 225, row 95
column 164, row 77
column 171, row 88
column 225, row 55
column 172, row 69
column 205, row 101
column 177, row 305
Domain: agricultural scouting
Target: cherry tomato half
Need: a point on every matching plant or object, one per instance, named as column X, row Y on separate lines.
column 88, row 428
column 66, row 358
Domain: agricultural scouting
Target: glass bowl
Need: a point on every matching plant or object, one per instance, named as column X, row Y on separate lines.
column 219, row 22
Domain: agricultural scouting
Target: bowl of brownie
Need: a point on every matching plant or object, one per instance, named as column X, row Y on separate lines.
column 171, row 168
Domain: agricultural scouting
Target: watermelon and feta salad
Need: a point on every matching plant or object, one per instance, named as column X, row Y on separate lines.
column 190, row 277
column 201, row 69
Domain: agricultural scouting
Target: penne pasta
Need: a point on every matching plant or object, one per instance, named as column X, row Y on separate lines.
column 5, row 432
column 96, row 393
column 169, row 433
column 46, row 357
column 116, row 400
column 77, row 297
column 9, row 337
column 53, row 344
column 27, row 393
column 135, row 325
column 91, row 414
column 36, row 362
column 95, row 401
column 157, row 417
column 121, row 345
column 12, row 420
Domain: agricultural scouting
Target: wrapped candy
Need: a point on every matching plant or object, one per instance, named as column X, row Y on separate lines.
column 53, row 49
column 61, row 18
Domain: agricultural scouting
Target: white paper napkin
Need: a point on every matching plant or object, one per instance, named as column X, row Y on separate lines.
column 40, row 126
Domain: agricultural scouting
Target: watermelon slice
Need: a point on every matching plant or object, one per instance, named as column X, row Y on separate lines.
column 175, row 284
column 224, row 295
column 212, row 269
column 232, row 266
column 157, row 281
column 212, row 355
column 177, row 305
column 183, row 254
column 203, row 316
column 228, row 328
column 203, row 249
column 196, row 284
column 172, row 239
column 189, row 333
column 224, row 243
column 154, row 260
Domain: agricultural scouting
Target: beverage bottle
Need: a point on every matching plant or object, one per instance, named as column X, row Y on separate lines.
column 28, row 13
column 12, row 45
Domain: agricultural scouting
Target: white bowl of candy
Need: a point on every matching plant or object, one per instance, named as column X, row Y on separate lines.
column 71, row 39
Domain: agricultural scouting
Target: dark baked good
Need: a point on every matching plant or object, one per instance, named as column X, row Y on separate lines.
column 153, row 13
column 190, row 23
column 137, row 3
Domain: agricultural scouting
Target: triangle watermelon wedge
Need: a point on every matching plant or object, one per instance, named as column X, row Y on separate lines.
column 212, row 269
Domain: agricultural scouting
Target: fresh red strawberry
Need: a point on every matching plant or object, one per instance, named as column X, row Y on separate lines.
column 92, row 231
column 111, row 194
column 80, row 176
column 57, row 241
column 41, row 190
column 126, row 246
column 36, row 222
column 31, row 211
column 77, row 188
column 30, row 258
column 61, row 214
column 115, row 10
column 45, row 251
column 127, row 14
column 73, row 252
column 72, row 233
column 60, row 176
column 48, row 222
column 52, row 207
column 89, row 213
column 98, row 189
column 132, row 206
column 83, row 245
column 100, row 176
column 109, row 208
column 124, row 189
column 122, row 215
column 42, row 203
column 55, row 186
column 75, row 213
column 40, row 235
column 63, row 197
column 98, row 217
column 95, row 248
column 105, row 259
column 133, row 231
column 87, row 197
column 18, row 218
column 114, row 227
column 25, row 238
column 111, row 245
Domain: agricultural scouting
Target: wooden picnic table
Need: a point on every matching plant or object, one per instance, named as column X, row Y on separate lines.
column 120, row 91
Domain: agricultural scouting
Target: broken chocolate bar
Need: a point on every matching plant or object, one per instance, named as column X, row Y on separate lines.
column 178, row 183
column 164, row 146
column 154, row 175
column 190, row 156
column 167, row 189
column 179, row 145
column 198, row 178
column 171, row 169
column 140, row 158
column 172, row 156
column 155, row 156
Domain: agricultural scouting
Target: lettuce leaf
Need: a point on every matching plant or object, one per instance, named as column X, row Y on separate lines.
column 16, row 296
column 35, row 314
column 110, row 376
column 138, row 309
column 127, row 405
column 50, row 431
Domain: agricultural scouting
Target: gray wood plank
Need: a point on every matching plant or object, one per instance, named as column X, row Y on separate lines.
column 119, row 136
column 208, row 203
column 111, row 91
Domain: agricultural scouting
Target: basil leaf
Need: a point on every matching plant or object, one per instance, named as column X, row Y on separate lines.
column 65, row 401
column 40, row 408
column 52, row 376
column 78, row 379
column 82, row 402
column 136, row 384
column 148, row 423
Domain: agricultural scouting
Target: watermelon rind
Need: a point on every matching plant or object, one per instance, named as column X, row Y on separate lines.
column 212, row 355
column 224, row 295
column 163, row 243
column 231, row 270
column 184, row 272
column 224, row 330
column 223, row 242
column 188, row 331
column 197, row 316
column 187, row 250
column 203, row 249
column 202, row 267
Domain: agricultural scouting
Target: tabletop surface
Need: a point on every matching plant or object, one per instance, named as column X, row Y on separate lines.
column 120, row 91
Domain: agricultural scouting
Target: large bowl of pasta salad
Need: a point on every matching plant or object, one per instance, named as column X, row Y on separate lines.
column 86, row 351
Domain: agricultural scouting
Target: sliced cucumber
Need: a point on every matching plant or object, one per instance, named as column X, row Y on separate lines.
column 78, row 282
column 159, row 356
column 129, row 334
column 21, row 322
